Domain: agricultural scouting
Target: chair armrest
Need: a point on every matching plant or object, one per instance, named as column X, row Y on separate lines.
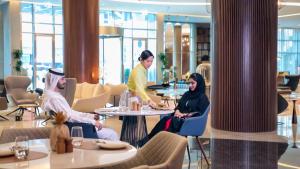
column 193, row 126
column 31, row 96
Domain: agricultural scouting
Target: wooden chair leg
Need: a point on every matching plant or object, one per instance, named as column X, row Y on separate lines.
column 202, row 150
column 4, row 117
column 13, row 111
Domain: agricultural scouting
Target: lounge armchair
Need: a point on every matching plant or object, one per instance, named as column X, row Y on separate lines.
column 164, row 151
column 89, row 97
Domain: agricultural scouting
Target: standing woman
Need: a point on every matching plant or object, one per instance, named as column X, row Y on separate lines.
column 137, row 81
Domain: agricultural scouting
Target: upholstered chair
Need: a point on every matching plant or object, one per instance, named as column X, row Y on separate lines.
column 116, row 91
column 16, row 88
column 89, row 97
column 164, row 151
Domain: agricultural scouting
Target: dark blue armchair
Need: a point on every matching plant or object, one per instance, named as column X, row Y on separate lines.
column 195, row 126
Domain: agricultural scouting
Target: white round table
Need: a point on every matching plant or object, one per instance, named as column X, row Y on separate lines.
column 80, row 158
column 134, row 126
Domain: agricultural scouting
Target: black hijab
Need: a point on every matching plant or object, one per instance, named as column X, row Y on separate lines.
column 200, row 88
column 194, row 101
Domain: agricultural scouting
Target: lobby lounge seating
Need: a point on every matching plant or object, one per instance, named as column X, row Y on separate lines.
column 165, row 151
column 89, row 97
column 3, row 106
column 116, row 91
column 17, row 93
column 9, row 135
column 293, row 81
column 195, row 127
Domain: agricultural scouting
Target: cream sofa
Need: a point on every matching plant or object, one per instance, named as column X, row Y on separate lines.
column 116, row 91
column 89, row 97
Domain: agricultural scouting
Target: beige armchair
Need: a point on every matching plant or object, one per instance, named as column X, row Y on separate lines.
column 3, row 106
column 10, row 134
column 116, row 91
column 16, row 87
column 164, row 151
column 89, row 97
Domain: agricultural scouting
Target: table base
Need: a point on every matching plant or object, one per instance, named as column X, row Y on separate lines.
column 134, row 128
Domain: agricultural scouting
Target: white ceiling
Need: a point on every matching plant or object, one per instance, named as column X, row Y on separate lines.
column 196, row 8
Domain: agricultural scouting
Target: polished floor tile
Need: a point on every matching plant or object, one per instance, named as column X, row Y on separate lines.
column 224, row 149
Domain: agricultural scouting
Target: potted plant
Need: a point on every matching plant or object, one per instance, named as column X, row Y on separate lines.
column 17, row 56
column 165, row 71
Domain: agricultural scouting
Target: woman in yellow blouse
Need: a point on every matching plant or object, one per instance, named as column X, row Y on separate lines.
column 138, row 77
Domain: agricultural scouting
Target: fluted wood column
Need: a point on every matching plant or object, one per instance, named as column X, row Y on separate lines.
column 81, row 40
column 244, row 65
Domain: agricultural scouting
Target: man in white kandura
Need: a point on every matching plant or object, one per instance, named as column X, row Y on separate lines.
column 53, row 100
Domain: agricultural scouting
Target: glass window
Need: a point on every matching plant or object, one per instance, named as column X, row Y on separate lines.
column 26, row 12
column 58, row 16
column 119, row 19
column 139, row 20
column 43, row 14
column 151, row 34
column 43, row 28
column 127, row 32
column 127, row 20
column 26, row 27
column 127, row 57
column 140, row 33
column 152, row 69
column 288, row 50
column 48, row 43
column 151, row 21
column 27, row 44
column 59, row 51
column 106, row 18
column 58, row 29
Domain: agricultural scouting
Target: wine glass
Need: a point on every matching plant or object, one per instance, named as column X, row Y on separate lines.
column 77, row 136
column 21, row 147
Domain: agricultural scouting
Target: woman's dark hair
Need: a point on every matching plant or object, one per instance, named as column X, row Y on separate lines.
column 205, row 58
column 145, row 55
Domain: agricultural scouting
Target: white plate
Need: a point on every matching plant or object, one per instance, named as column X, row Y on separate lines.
column 5, row 153
column 112, row 145
column 110, row 109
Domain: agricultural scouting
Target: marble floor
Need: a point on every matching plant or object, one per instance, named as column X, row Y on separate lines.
column 268, row 150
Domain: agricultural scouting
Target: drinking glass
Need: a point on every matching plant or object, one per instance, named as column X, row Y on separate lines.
column 77, row 136
column 21, row 147
column 145, row 105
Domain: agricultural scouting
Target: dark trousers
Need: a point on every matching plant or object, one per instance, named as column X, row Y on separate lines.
column 159, row 127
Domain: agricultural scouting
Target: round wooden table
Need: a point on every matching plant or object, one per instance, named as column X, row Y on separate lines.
column 79, row 158
column 134, row 126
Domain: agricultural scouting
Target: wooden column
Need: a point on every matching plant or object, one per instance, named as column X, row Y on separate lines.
column 81, row 40
column 244, row 65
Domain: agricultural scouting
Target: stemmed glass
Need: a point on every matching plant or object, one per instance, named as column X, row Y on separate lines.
column 77, row 136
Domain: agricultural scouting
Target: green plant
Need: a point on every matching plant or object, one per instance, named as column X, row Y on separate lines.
column 18, row 55
column 164, row 60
